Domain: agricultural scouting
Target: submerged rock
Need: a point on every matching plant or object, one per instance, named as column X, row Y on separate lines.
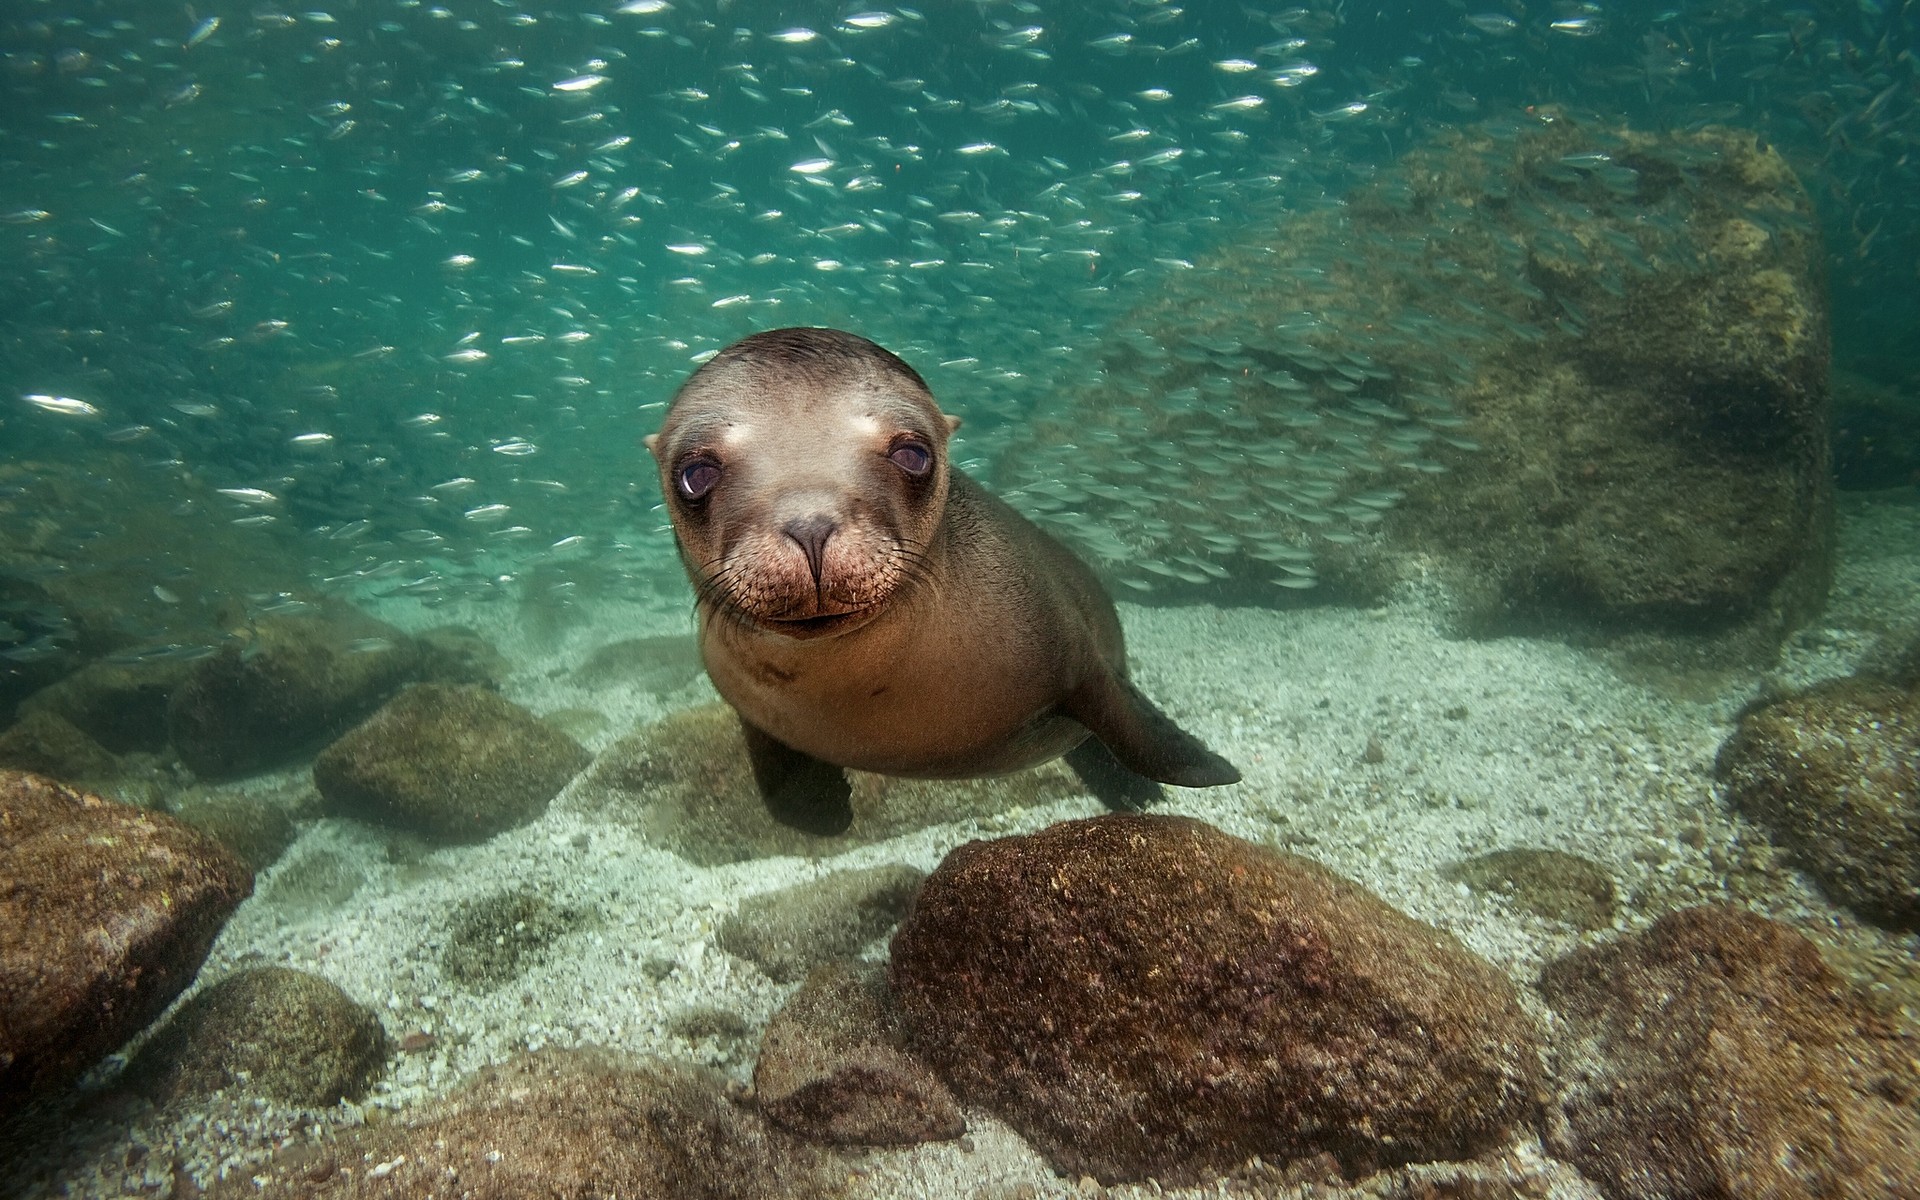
column 494, row 938
column 792, row 930
column 1548, row 883
column 685, row 781
column 300, row 680
column 453, row 764
column 831, row 1067
column 654, row 664
column 1834, row 773
column 106, row 913
column 1716, row 1057
column 123, row 706
column 556, row 1123
column 271, row 1032
column 46, row 743
column 1146, row 996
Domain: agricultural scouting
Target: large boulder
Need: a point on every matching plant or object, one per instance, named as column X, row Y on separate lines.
column 790, row 931
column 121, row 705
column 1147, row 996
column 450, row 763
column 1834, row 773
column 268, row 1032
column 106, row 913
column 1716, row 1057
column 298, row 681
column 1599, row 402
column 551, row 1125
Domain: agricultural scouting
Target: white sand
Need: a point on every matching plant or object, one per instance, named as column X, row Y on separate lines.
column 1555, row 750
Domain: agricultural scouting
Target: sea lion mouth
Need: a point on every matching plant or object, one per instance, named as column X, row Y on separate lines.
column 812, row 627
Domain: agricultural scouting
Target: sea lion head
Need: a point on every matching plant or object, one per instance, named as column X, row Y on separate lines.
column 806, row 474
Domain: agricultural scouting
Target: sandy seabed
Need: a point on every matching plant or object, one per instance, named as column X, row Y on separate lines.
column 1370, row 740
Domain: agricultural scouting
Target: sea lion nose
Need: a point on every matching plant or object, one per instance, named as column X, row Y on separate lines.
column 811, row 534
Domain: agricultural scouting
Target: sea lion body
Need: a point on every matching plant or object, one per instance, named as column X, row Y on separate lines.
column 864, row 604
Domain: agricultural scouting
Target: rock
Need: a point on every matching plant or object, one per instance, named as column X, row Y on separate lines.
column 1834, row 774
column 554, row 1124
column 1876, row 434
column 456, row 654
column 496, row 937
column 257, row 826
column 830, row 1068
column 453, row 764
column 685, row 782
column 123, row 706
column 46, row 743
column 1146, row 996
column 268, row 1032
column 1609, row 413
column 792, row 930
column 654, row 664
column 314, row 883
column 106, row 913
column 300, row 680
column 1716, row 1057
column 1548, row 883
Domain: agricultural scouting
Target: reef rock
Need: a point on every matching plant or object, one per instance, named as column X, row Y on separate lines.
column 1716, row 1057
column 1834, row 772
column 106, row 913
column 685, row 781
column 788, row 932
column 1147, row 996
column 298, row 681
column 270, row 1032
column 556, row 1123
column 831, row 1068
column 453, row 764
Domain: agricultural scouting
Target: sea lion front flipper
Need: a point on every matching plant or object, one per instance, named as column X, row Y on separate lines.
column 1110, row 780
column 798, row 789
column 1143, row 739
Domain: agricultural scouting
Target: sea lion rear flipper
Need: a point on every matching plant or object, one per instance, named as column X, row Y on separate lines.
column 1110, row 780
column 798, row 789
column 1143, row 739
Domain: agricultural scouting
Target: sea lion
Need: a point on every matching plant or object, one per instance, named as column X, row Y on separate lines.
column 864, row 604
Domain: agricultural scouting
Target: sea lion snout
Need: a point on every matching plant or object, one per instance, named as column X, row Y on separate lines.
column 811, row 534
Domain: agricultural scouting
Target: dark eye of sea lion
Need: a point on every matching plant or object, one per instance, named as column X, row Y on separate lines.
column 911, row 456
column 695, row 479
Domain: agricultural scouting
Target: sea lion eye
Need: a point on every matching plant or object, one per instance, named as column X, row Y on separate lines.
column 697, row 478
column 912, row 457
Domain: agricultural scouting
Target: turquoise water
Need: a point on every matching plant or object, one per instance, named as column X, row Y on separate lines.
column 394, row 289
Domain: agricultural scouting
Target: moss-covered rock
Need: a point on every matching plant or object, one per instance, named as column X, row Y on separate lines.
column 790, row 931
column 1834, row 773
column 270, row 1032
column 296, row 682
column 833, row 1068
column 46, row 743
column 557, row 1123
column 450, row 763
column 257, row 830
column 106, row 913
column 1548, row 883
column 1715, row 1056
column 685, row 781
column 123, row 706
column 1147, row 997
column 493, row 939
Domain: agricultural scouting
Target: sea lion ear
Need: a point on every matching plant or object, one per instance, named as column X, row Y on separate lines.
column 953, row 423
column 652, row 442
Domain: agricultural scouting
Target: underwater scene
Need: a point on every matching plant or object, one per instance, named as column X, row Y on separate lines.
column 987, row 600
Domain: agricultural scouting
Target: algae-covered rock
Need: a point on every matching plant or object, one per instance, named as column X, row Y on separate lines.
column 271, row 1032
column 46, row 743
column 1549, row 883
column 1147, row 996
column 298, row 681
column 790, row 931
column 1834, row 773
column 453, row 764
column 832, row 1068
column 686, row 782
column 494, row 938
column 106, row 913
column 123, row 706
column 1716, row 1057
column 555, row 1123
column 256, row 829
